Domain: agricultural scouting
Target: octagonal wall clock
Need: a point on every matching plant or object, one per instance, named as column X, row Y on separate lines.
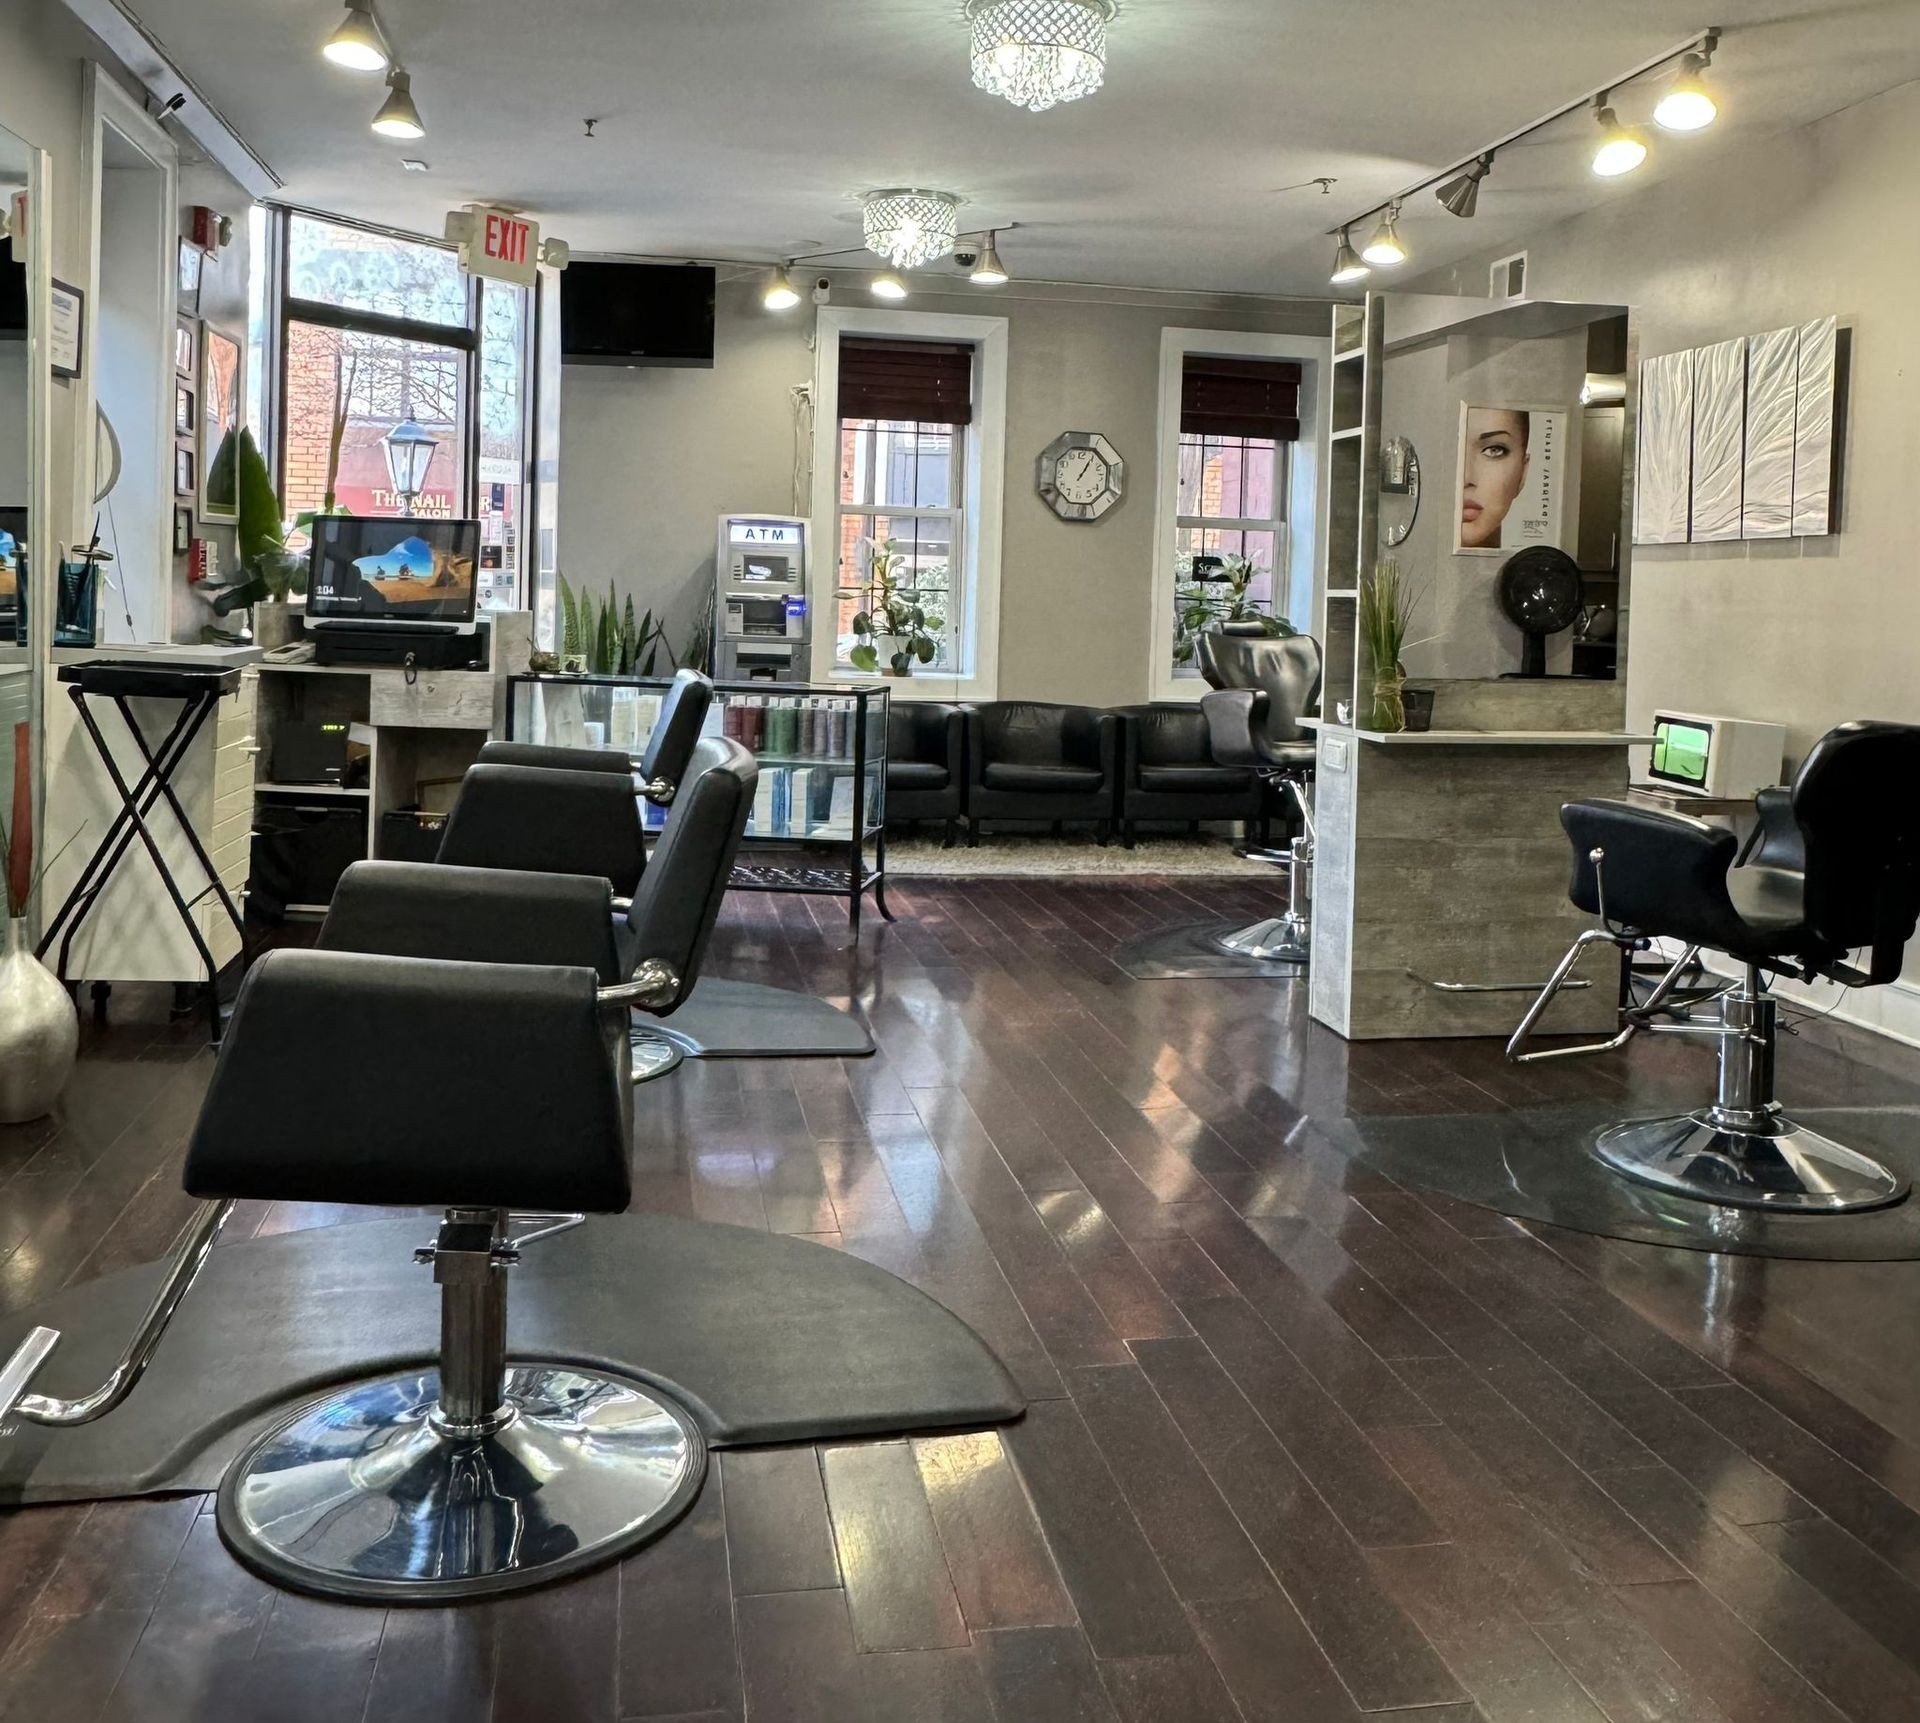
column 1080, row 475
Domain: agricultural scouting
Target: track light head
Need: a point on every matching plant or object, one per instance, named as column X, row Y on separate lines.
column 1384, row 249
column 1347, row 267
column 780, row 294
column 398, row 117
column 887, row 285
column 1461, row 195
column 1620, row 150
column 357, row 43
column 987, row 270
column 1688, row 106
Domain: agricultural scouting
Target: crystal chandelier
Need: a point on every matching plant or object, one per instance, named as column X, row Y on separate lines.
column 1039, row 52
column 909, row 228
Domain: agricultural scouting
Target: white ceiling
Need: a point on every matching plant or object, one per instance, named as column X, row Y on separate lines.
column 744, row 128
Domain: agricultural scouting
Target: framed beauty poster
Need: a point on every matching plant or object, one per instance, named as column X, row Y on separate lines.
column 1510, row 481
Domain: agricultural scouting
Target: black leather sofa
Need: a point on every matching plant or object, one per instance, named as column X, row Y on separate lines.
column 1168, row 772
column 1029, row 760
column 926, row 763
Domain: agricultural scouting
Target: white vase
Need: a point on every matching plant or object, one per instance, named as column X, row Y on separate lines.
column 274, row 624
column 39, row 1031
column 886, row 645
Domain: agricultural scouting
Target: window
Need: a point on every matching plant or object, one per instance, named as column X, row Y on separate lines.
column 379, row 329
column 904, row 408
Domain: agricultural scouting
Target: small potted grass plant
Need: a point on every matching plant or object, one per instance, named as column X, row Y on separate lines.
column 1387, row 603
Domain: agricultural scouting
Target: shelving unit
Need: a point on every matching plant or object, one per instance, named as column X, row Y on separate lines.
column 839, row 767
column 1353, row 494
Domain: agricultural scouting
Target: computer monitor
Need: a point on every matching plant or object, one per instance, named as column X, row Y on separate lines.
column 386, row 570
column 1713, row 755
column 1681, row 750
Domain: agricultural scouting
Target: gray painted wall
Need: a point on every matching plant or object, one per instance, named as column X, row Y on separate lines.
column 1805, row 632
column 650, row 459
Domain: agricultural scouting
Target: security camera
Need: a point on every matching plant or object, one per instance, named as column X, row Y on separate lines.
column 967, row 256
column 822, row 289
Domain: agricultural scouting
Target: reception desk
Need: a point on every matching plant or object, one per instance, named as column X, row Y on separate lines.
column 1440, row 890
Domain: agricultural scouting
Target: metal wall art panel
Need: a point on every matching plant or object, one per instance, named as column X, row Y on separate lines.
column 1773, row 362
column 1813, row 429
column 1663, row 461
column 1719, row 397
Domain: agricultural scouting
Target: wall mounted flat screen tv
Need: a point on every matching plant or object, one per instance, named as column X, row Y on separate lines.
column 636, row 314
column 389, row 569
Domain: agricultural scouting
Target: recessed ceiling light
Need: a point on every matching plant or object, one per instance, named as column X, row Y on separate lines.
column 398, row 117
column 413, row 164
column 357, row 44
column 887, row 286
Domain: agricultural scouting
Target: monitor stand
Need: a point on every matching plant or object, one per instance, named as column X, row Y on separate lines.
column 372, row 645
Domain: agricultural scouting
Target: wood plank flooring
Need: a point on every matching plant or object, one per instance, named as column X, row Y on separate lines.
column 1303, row 1444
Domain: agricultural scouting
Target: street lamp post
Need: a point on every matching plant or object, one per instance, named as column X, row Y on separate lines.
column 410, row 448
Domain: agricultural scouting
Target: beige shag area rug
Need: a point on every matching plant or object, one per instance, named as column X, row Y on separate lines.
column 1019, row 855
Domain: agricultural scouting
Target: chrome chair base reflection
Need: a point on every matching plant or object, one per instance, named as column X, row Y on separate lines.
column 1279, row 939
column 368, row 1495
column 1762, row 1161
column 653, row 1054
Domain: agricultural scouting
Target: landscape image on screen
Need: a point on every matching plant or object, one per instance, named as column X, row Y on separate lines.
column 393, row 570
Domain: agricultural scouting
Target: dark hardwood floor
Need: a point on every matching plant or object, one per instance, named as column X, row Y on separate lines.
column 1303, row 1445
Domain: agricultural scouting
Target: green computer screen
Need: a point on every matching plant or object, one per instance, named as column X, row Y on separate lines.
column 1680, row 751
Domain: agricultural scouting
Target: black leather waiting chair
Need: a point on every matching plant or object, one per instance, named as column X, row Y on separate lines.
column 1262, row 688
column 1029, row 760
column 926, row 763
column 1838, row 872
column 1168, row 772
column 572, row 810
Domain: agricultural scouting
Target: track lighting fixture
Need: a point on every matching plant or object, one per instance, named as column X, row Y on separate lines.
column 1687, row 106
column 357, row 44
column 398, row 117
column 987, row 270
column 1461, row 195
column 1384, row 249
column 1620, row 150
column 781, row 294
column 887, row 286
column 1347, row 267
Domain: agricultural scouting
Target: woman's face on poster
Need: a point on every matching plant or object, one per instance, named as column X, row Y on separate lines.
column 1495, row 469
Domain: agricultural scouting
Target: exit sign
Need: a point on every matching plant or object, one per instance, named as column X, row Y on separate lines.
column 495, row 244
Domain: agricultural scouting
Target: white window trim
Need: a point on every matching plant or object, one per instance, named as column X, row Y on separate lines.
column 986, row 465
column 1305, row 487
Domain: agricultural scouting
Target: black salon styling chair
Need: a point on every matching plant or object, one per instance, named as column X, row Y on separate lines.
column 480, row 1474
column 573, row 810
column 1262, row 688
column 432, row 910
column 1835, row 870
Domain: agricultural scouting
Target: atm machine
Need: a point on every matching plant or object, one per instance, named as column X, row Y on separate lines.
column 761, row 632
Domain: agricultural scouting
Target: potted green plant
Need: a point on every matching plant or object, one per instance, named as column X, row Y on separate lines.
column 893, row 630
column 607, row 639
column 269, row 572
column 1387, row 603
column 1223, row 602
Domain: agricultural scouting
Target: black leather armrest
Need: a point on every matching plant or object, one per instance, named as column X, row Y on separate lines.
column 349, row 1078
column 975, row 746
column 546, row 821
column 473, row 915
column 1106, row 728
column 1665, row 874
column 556, row 759
column 956, row 729
column 1232, row 715
column 1777, row 840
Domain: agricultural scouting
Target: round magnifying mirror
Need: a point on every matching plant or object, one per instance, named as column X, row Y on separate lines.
column 1399, row 489
column 106, row 454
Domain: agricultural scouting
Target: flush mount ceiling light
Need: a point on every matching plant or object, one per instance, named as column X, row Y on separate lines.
column 781, row 294
column 1384, row 249
column 1620, row 150
column 908, row 227
column 1039, row 53
column 1461, row 195
column 1347, row 267
column 887, row 286
column 987, row 270
column 357, row 44
column 1687, row 106
column 398, row 117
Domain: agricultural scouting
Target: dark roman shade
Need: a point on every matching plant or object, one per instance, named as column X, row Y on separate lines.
column 1221, row 397
column 927, row 381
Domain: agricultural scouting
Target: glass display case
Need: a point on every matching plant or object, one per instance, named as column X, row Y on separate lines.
column 822, row 753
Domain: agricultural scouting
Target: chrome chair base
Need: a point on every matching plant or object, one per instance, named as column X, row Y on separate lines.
column 1279, row 939
column 363, row 1496
column 653, row 1054
column 1746, row 1159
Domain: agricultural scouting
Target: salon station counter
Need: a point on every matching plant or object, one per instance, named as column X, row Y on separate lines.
column 1440, row 879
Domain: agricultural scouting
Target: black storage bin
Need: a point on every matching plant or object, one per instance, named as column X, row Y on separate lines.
column 411, row 835
column 300, row 850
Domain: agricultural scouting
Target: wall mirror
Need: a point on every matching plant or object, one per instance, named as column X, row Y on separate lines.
column 24, row 527
column 1399, row 489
